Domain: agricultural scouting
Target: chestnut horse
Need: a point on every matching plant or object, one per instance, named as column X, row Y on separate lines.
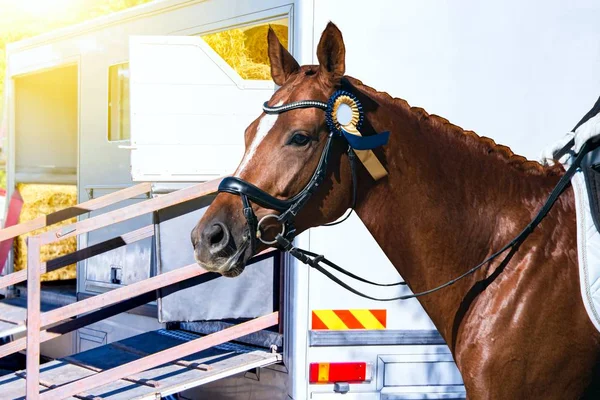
column 517, row 330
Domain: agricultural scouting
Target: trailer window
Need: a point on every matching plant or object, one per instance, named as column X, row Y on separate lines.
column 118, row 102
column 245, row 49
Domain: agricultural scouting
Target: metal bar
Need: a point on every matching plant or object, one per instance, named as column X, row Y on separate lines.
column 74, row 324
column 181, row 363
column 104, row 220
column 107, row 312
column 132, row 211
column 48, row 384
column 120, row 294
column 19, row 229
column 280, row 301
column 17, row 277
column 161, row 357
column 33, row 317
column 143, row 310
column 384, row 337
column 20, row 328
column 21, row 343
column 81, row 255
column 74, row 211
column 130, row 378
column 100, row 248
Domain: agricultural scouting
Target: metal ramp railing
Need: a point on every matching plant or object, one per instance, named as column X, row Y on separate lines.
column 206, row 366
column 40, row 327
column 62, row 215
column 200, row 368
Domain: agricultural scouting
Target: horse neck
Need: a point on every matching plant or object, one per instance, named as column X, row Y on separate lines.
column 450, row 200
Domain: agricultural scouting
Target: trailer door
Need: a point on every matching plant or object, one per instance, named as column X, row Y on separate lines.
column 189, row 110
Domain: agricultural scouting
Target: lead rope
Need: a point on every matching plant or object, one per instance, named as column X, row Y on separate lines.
column 314, row 260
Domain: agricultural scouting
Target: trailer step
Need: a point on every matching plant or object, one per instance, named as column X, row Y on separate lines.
column 197, row 369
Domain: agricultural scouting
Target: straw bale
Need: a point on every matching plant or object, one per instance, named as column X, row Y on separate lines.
column 256, row 41
column 39, row 200
column 246, row 51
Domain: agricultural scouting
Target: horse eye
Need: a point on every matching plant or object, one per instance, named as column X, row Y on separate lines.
column 299, row 139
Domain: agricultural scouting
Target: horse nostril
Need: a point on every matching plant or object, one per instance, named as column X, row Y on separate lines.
column 216, row 234
column 216, row 237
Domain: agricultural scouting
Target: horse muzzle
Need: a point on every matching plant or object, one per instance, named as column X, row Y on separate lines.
column 216, row 250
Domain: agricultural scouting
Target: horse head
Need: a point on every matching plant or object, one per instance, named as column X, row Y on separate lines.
column 283, row 149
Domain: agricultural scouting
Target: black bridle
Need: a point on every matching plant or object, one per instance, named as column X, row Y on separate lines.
column 289, row 208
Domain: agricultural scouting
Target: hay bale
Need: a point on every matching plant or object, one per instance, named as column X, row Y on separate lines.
column 257, row 45
column 246, row 50
column 39, row 200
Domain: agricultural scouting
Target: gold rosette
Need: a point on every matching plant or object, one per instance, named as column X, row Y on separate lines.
column 346, row 116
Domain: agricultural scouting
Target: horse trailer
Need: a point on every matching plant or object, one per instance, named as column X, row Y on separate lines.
column 150, row 95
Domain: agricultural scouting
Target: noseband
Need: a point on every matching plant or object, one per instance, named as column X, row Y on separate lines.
column 288, row 209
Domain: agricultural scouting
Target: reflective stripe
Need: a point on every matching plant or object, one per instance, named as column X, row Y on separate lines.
column 348, row 319
column 367, row 319
column 330, row 319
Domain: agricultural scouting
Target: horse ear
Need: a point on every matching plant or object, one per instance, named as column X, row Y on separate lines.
column 283, row 63
column 331, row 53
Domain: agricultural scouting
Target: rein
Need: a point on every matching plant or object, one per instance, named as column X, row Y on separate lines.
column 314, row 260
column 289, row 208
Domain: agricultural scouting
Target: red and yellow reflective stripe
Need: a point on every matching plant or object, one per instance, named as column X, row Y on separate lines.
column 348, row 319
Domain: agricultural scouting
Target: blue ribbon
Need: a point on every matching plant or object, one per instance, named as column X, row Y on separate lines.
column 366, row 142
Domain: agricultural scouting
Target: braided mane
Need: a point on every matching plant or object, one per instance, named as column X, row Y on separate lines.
column 484, row 144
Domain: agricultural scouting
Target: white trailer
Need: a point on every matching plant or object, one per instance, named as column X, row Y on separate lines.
column 142, row 97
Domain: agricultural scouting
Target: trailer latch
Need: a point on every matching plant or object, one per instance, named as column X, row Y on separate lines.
column 115, row 274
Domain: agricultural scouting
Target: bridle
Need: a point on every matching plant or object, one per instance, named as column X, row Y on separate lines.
column 289, row 208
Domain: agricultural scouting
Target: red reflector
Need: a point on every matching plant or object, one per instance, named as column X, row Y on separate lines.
column 338, row 372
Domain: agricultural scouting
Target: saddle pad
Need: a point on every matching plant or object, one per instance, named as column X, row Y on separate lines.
column 586, row 187
column 588, row 250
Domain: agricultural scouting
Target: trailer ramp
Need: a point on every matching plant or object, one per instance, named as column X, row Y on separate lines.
column 209, row 365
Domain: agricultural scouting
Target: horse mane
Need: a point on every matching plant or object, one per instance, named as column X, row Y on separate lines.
column 484, row 144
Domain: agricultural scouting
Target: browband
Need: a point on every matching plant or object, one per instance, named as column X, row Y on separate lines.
column 294, row 105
